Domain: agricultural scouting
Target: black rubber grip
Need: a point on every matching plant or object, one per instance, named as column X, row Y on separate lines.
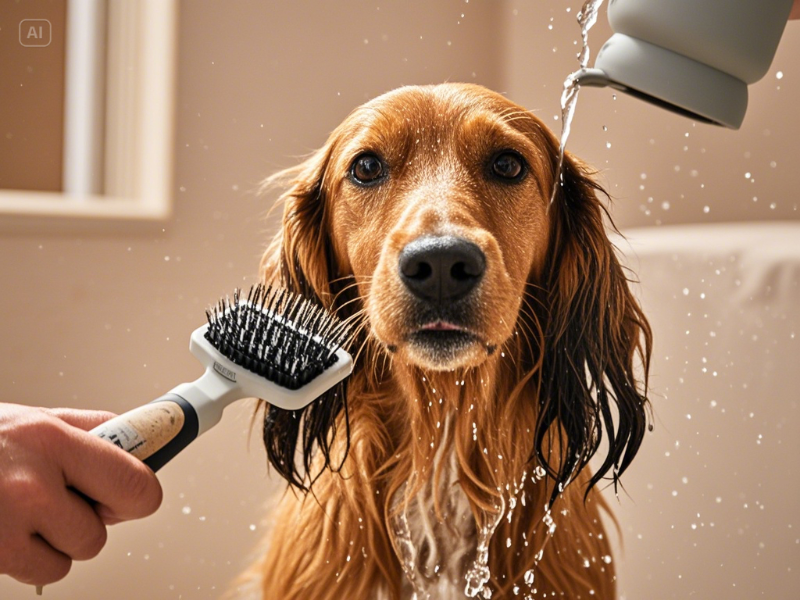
column 185, row 436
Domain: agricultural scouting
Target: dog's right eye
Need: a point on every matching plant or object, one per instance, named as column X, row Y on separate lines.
column 508, row 166
column 367, row 169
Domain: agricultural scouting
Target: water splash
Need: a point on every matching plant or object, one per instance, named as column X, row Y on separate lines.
column 405, row 547
column 547, row 519
column 478, row 574
column 424, row 586
column 587, row 17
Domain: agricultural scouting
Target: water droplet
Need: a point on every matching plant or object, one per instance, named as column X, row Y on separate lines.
column 779, row 75
column 187, row 510
column 529, row 577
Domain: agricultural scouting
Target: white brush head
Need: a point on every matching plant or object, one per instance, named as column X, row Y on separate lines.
column 252, row 385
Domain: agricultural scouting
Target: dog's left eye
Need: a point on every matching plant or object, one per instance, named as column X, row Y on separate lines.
column 508, row 165
column 367, row 169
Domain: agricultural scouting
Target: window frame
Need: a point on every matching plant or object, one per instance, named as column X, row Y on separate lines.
column 137, row 153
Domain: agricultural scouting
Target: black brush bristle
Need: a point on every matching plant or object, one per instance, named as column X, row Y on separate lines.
column 276, row 334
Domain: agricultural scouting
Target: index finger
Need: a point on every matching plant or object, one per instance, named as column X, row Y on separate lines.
column 124, row 486
column 82, row 419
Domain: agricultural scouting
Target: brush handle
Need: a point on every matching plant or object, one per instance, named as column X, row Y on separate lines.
column 154, row 433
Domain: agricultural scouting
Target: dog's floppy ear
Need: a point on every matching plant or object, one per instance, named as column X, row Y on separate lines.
column 594, row 330
column 301, row 260
column 300, row 253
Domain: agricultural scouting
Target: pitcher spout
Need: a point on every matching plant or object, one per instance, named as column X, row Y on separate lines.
column 592, row 78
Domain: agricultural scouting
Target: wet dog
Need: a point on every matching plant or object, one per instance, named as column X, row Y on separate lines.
column 497, row 344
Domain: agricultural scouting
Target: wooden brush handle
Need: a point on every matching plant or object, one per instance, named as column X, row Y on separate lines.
column 154, row 433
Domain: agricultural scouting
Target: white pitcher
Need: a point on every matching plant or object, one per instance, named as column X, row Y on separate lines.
column 695, row 57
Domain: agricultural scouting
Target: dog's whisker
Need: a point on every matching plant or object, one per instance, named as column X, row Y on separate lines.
column 352, row 301
column 513, row 114
column 535, row 298
column 386, row 358
column 363, row 344
column 528, row 320
column 342, row 278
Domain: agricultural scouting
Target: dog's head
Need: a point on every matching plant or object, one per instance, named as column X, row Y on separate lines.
column 427, row 217
column 439, row 209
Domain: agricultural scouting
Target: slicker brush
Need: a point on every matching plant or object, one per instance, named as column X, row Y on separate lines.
column 271, row 344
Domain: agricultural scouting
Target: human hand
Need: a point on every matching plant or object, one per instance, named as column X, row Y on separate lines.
column 60, row 487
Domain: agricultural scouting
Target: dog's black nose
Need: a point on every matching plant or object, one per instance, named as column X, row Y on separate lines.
column 441, row 268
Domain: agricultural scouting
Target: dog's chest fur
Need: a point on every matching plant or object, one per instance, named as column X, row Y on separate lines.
column 436, row 552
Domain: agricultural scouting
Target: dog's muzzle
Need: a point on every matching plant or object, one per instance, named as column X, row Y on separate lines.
column 441, row 273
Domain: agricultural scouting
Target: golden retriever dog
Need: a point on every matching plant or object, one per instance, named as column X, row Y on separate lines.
column 497, row 349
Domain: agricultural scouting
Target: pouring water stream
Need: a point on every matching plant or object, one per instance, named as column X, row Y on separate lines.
column 587, row 17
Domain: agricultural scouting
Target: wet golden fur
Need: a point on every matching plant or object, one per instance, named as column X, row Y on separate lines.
column 550, row 373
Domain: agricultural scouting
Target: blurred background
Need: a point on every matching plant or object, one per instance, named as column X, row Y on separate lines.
column 201, row 99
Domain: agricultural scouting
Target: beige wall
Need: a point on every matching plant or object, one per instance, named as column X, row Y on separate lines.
column 657, row 159
column 103, row 321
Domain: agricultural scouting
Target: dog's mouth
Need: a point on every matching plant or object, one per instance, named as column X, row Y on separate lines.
column 442, row 336
column 438, row 337
column 444, row 344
